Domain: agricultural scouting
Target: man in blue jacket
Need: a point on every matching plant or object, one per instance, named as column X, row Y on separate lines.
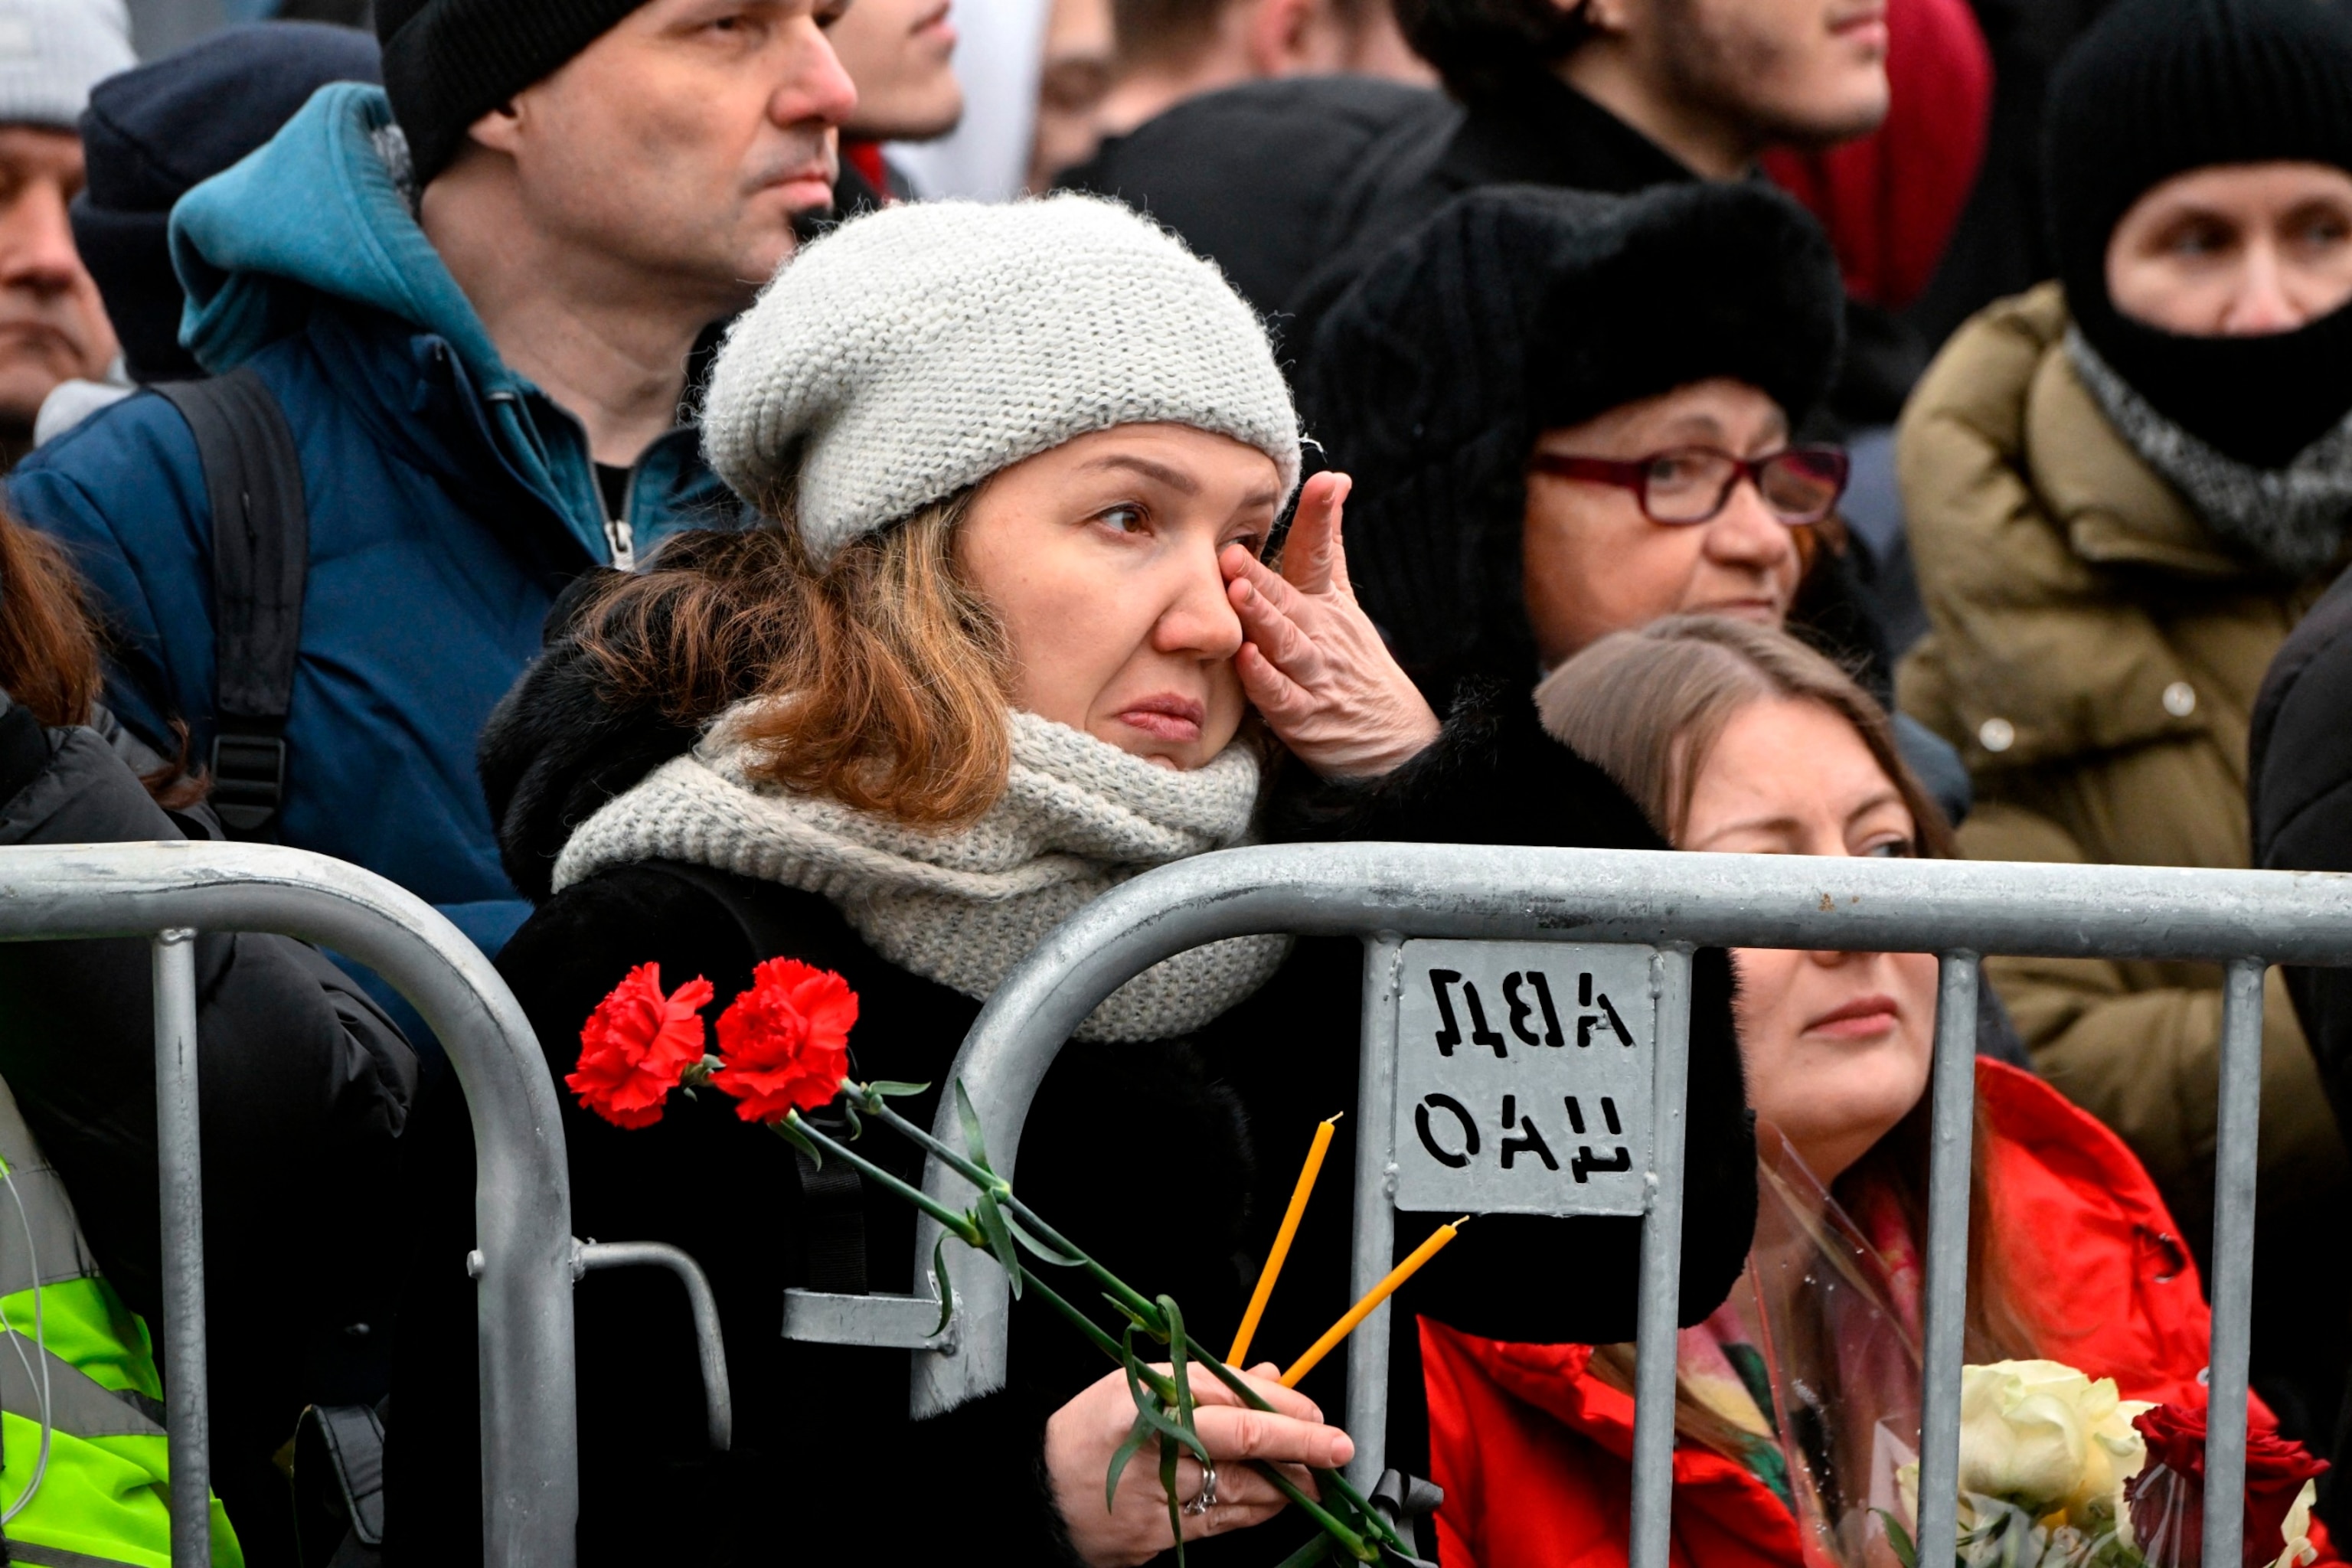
column 474, row 294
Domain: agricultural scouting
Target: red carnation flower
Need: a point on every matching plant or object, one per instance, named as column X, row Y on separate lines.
column 785, row 1042
column 2275, row 1471
column 636, row 1044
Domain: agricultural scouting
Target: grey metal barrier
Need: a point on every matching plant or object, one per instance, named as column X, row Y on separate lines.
column 527, row 1260
column 1631, row 920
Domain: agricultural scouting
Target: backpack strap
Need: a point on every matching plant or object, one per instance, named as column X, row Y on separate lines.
column 261, row 558
column 833, row 1197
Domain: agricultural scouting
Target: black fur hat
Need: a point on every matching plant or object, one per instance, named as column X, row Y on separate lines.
column 1520, row 308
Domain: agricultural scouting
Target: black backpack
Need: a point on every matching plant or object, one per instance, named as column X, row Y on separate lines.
column 261, row 559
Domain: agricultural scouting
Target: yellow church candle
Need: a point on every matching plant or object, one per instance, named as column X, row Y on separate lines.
column 1372, row 1299
column 1282, row 1238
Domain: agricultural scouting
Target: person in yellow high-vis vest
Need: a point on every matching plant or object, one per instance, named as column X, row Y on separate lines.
column 85, row 1462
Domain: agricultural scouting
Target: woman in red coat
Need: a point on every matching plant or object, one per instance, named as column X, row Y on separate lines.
column 1797, row 1402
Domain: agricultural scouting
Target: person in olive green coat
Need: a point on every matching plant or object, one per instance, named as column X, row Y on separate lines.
column 2124, row 490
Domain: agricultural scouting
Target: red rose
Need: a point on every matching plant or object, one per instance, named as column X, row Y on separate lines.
column 635, row 1046
column 785, row 1042
column 2167, row 1496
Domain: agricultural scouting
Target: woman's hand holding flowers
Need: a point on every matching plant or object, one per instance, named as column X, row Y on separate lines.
column 1314, row 664
column 1083, row 1434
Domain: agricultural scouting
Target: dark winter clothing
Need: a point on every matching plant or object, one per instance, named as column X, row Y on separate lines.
column 304, row 1087
column 449, row 498
column 446, row 63
column 1203, row 168
column 2160, row 88
column 2299, row 788
column 153, row 134
column 1235, row 1100
column 2088, row 1254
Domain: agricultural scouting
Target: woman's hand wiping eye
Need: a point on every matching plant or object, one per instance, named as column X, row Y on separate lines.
column 1314, row 664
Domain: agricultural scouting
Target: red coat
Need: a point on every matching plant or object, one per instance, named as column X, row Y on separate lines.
column 1534, row 1452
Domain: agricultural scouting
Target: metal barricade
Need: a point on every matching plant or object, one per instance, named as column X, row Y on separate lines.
column 527, row 1260
column 1394, row 895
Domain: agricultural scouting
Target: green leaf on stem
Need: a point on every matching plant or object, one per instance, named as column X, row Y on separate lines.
column 1899, row 1539
column 1129, row 1313
column 946, row 1291
column 1137, row 1437
column 1312, row 1553
column 1168, row 1492
column 1179, row 1373
column 1048, row 1254
column 856, row 1127
column 886, row 1089
column 973, row 1144
column 789, row 1129
column 999, row 1240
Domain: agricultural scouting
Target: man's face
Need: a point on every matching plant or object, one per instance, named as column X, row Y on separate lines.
column 899, row 52
column 53, row 326
column 1795, row 72
column 682, row 143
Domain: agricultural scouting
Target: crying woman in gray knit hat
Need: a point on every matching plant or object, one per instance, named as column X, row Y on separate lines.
column 1003, row 636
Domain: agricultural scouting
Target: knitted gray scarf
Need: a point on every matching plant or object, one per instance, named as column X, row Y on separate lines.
column 2292, row 520
column 1079, row 816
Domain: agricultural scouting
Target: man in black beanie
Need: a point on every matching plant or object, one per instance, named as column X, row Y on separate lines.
column 473, row 295
column 2124, row 488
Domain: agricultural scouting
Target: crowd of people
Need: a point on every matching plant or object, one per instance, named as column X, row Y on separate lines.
column 593, row 464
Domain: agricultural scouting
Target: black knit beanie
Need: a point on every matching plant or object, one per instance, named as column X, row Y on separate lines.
column 152, row 134
column 1517, row 309
column 2159, row 88
column 446, row 63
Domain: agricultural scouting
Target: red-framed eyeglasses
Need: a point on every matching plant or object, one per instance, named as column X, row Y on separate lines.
column 1684, row 485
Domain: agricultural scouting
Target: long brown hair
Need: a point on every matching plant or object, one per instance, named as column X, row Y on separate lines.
column 48, row 653
column 888, row 675
column 1647, row 707
column 50, row 662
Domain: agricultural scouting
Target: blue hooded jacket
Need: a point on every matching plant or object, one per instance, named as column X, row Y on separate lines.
column 449, row 502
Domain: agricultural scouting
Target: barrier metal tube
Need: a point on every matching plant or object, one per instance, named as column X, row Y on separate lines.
column 1655, row 1341
column 522, row 1202
column 1952, row 1116
column 1575, row 895
column 179, row 1161
column 1375, row 1248
column 2232, row 1285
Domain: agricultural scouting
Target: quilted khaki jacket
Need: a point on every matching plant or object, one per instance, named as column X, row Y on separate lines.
column 2094, row 654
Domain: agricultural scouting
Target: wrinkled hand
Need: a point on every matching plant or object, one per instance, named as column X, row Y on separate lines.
column 1082, row 1435
column 1314, row 664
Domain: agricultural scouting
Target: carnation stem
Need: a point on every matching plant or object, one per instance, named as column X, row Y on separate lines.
column 988, row 1180
column 960, row 1225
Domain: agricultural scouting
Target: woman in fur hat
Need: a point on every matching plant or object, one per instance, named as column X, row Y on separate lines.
column 1572, row 414
column 992, row 649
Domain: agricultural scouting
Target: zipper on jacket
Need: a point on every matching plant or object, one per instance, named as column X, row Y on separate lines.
column 621, row 538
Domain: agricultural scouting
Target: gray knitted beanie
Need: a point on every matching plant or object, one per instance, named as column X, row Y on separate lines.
column 921, row 348
column 52, row 52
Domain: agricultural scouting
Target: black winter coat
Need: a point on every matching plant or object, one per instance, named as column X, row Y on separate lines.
column 824, row 1449
column 304, row 1087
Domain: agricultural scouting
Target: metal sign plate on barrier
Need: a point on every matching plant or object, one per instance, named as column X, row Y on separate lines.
column 1524, row 1078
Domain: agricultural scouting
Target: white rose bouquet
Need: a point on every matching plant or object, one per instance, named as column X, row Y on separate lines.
column 2056, row 1471
column 2045, row 1455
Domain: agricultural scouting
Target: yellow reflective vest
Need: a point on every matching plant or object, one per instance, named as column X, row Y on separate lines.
column 103, row 1497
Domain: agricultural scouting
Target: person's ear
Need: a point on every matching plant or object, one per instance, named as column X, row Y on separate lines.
column 1286, row 37
column 1601, row 16
column 501, row 130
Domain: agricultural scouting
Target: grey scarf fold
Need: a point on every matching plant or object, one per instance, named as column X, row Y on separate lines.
column 1077, row 818
column 2292, row 520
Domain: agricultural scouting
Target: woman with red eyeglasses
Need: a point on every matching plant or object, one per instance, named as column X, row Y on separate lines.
column 1569, row 415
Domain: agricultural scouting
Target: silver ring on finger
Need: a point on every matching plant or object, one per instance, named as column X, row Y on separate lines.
column 1206, row 1498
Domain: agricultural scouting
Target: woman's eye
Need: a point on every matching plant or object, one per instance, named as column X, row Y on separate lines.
column 1892, row 849
column 1123, row 519
column 2203, row 238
